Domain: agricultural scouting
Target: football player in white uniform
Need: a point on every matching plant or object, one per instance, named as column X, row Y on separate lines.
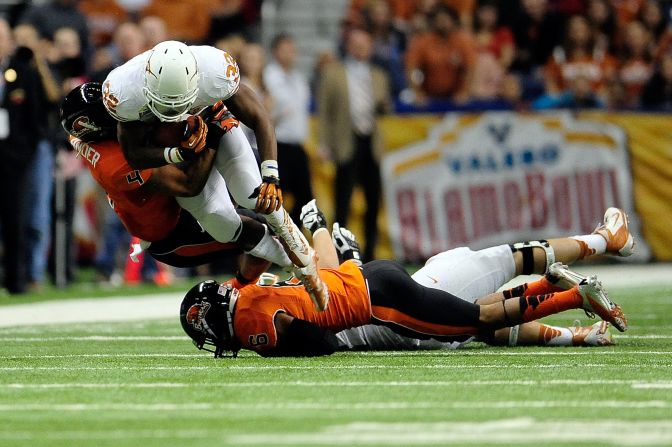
column 177, row 83
column 472, row 274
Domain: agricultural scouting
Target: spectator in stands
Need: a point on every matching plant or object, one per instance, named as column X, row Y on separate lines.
column 440, row 63
column 635, row 65
column 186, row 20
column 600, row 15
column 102, row 17
column 290, row 92
column 234, row 17
column 21, row 106
column 491, row 37
column 352, row 94
column 68, row 60
column 232, row 44
column 657, row 94
column 389, row 43
column 40, row 173
column 495, row 52
column 578, row 58
column 652, row 17
column 128, row 42
column 578, row 94
column 154, row 30
column 54, row 14
column 536, row 31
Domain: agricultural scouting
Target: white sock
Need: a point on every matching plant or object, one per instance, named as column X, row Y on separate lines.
column 269, row 248
column 555, row 336
column 595, row 243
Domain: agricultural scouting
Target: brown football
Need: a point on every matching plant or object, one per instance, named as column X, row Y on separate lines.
column 167, row 134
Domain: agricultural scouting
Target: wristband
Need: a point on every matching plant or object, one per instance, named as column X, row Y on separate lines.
column 269, row 168
column 172, row 155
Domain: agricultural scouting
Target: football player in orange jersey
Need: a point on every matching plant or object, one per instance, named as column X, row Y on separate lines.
column 278, row 319
column 148, row 201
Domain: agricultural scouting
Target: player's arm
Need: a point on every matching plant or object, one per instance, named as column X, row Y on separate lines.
column 246, row 107
column 184, row 180
column 300, row 338
column 142, row 150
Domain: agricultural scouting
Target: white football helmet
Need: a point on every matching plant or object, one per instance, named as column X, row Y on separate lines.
column 171, row 81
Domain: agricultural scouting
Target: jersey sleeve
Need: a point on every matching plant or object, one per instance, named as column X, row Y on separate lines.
column 256, row 330
column 220, row 77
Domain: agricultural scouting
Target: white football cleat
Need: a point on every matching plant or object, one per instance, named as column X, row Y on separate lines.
column 560, row 275
column 614, row 229
column 316, row 288
column 596, row 301
column 596, row 335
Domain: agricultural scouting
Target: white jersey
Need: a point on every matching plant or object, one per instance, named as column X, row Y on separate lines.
column 218, row 79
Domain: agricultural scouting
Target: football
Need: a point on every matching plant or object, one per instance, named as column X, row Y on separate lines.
column 168, row 134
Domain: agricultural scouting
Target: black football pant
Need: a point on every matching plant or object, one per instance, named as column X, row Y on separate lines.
column 416, row 311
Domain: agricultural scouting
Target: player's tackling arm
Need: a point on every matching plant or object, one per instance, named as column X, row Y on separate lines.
column 186, row 179
column 300, row 338
column 135, row 144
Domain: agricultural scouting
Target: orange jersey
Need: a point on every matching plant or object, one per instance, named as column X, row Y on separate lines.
column 147, row 214
column 255, row 310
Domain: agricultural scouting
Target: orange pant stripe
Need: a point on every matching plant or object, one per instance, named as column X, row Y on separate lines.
column 394, row 316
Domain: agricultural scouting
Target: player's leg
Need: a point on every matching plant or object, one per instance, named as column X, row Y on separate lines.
column 215, row 212
column 235, row 161
column 588, row 295
column 535, row 333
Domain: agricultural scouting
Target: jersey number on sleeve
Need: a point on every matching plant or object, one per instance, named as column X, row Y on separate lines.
column 134, row 177
column 259, row 339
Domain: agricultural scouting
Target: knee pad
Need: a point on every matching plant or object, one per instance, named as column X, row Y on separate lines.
column 527, row 250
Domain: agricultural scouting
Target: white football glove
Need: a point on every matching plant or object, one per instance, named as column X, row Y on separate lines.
column 312, row 218
column 346, row 243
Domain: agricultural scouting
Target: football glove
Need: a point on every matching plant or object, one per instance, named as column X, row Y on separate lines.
column 268, row 194
column 194, row 138
column 346, row 244
column 312, row 218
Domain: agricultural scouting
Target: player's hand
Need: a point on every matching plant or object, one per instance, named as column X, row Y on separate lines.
column 195, row 136
column 268, row 194
column 346, row 244
column 312, row 218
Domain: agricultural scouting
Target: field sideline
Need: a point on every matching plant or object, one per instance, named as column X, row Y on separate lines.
column 139, row 381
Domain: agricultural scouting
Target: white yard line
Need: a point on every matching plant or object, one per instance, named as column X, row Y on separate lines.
column 503, row 431
column 637, row 384
column 334, row 406
column 229, row 367
column 166, row 305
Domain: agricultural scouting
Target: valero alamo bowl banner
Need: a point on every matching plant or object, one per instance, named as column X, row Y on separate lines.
column 501, row 177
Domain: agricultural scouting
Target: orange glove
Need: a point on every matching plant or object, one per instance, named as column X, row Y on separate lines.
column 268, row 194
column 195, row 135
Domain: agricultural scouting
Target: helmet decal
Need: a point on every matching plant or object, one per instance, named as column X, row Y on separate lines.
column 196, row 315
column 81, row 125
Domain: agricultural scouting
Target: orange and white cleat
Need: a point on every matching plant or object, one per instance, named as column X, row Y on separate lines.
column 560, row 275
column 614, row 229
column 596, row 335
column 316, row 288
column 596, row 301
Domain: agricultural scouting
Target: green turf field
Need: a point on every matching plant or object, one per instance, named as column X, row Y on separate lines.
column 133, row 384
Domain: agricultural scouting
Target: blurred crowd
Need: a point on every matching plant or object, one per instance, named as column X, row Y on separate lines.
column 404, row 55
